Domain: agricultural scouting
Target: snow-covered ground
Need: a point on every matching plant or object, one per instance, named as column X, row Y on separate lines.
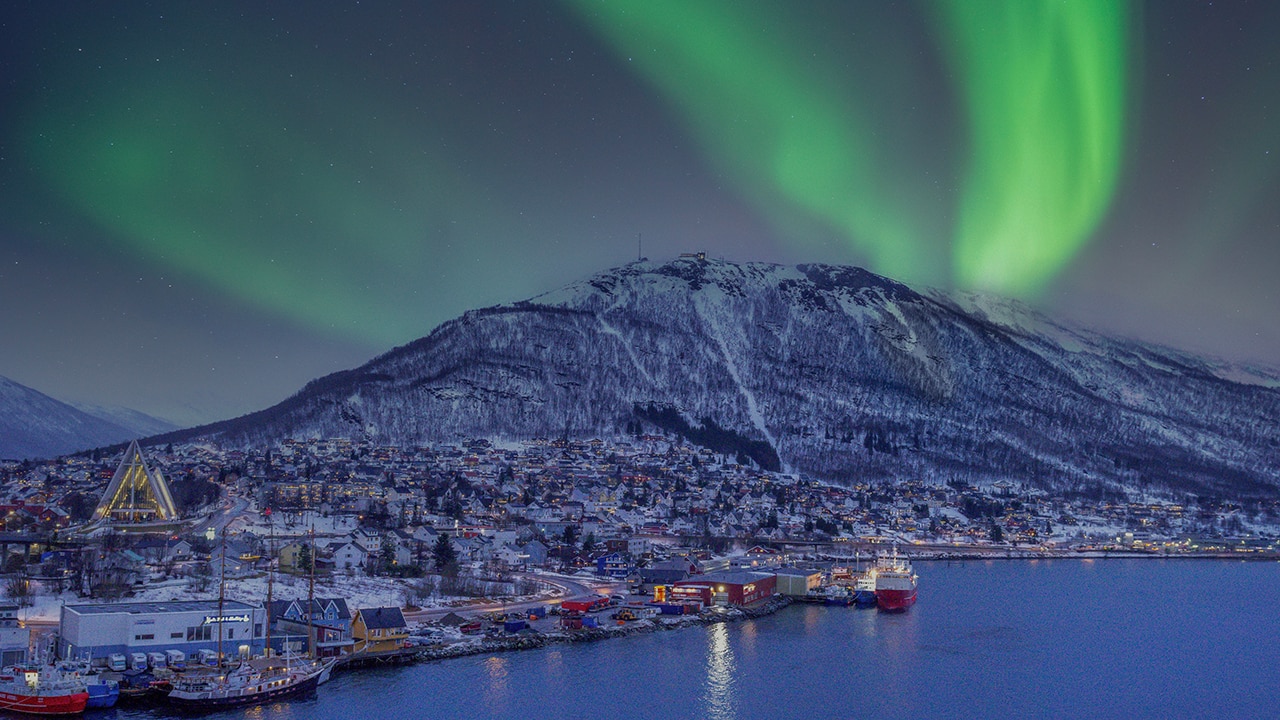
column 360, row 591
column 292, row 524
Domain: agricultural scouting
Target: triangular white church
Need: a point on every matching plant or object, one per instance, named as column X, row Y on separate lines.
column 136, row 494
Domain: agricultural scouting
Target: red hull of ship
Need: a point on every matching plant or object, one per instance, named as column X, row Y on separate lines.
column 895, row 600
column 44, row 705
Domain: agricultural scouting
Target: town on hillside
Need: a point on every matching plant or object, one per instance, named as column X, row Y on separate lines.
column 360, row 541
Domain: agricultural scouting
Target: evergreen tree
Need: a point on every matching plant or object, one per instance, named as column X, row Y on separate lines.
column 444, row 556
column 570, row 535
column 386, row 554
column 589, row 544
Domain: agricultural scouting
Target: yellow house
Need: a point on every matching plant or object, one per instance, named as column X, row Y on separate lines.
column 288, row 556
column 378, row 629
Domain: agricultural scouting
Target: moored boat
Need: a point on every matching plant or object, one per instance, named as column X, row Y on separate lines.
column 41, row 690
column 864, row 589
column 103, row 693
column 895, row 582
column 837, row 595
column 248, row 683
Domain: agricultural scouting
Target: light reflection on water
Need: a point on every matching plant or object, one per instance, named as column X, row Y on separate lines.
column 812, row 620
column 554, row 664
column 748, row 633
column 497, row 693
column 718, row 695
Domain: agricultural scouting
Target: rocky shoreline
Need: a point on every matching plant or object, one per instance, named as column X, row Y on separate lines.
column 534, row 641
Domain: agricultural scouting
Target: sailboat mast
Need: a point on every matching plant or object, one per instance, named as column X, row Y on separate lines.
column 222, row 592
column 311, row 597
column 271, row 549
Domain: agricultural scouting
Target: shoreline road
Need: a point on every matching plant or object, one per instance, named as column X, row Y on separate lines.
column 569, row 590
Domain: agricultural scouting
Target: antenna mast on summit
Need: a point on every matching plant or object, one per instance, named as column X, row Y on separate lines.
column 639, row 247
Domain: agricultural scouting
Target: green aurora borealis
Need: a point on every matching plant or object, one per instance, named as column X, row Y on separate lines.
column 790, row 139
column 1044, row 84
column 349, row 175
column 297, row 206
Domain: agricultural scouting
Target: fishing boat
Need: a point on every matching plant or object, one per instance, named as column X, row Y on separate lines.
column 837, row 595
column 103, row 693
column 864, row 589
column 41, row 690
column 895, row 582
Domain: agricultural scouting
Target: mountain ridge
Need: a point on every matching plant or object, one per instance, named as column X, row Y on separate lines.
column 840, row 373
column 34, row 425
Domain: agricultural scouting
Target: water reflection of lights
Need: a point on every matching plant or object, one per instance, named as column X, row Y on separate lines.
column 499, row 671
column 554, row 664
column 811, row 620
column 747, row 634
column 273, row 710
column 720, row 667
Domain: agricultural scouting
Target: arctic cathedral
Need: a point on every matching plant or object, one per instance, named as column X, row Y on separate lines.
column 136, row 496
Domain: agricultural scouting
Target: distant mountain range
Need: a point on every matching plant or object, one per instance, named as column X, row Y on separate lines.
column 34, row 425
column 825, row 370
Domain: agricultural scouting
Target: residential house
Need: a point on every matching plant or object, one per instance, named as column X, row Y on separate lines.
column 329, row 620
column 614, row 565
column 351, row 555
column 289, row 556
column 535, row 553
column 180, row 550
column 233, row 557
column 377, row 630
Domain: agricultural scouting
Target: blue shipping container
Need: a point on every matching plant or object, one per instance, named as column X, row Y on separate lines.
column 513, row 626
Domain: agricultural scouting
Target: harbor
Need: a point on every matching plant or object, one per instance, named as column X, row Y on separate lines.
column 844, row 662
column 93, row 641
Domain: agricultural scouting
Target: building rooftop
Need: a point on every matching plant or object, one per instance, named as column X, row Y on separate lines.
column 153, row 608
column 387, row 617
column 734, row 578
column 796, row 572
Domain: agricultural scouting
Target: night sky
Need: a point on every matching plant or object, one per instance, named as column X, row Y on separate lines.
column 205, row 205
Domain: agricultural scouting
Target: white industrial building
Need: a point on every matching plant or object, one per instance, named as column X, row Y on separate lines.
column 14, row 639
column 96, row 631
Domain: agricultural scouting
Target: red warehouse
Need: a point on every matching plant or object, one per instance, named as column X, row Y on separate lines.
column 735, row 588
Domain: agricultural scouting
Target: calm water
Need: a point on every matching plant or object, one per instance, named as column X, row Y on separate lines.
column 1047, row 639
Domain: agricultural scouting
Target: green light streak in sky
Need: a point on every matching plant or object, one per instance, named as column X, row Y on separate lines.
column 1043, row 83
column 1045, row 90
column 784, row 131
column 339, row 221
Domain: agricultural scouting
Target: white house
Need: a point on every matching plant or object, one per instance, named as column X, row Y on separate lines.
column 350, row 555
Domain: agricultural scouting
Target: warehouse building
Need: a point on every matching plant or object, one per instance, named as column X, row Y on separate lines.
column 798, row 582
column 732, row 588
column 96, row 631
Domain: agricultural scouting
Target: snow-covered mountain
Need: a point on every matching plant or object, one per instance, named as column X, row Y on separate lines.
column 139, row 424
column 826, row 370
column 34, row 425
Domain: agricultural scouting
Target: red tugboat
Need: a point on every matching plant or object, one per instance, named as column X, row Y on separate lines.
column 895, row 583
column 39, row 690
